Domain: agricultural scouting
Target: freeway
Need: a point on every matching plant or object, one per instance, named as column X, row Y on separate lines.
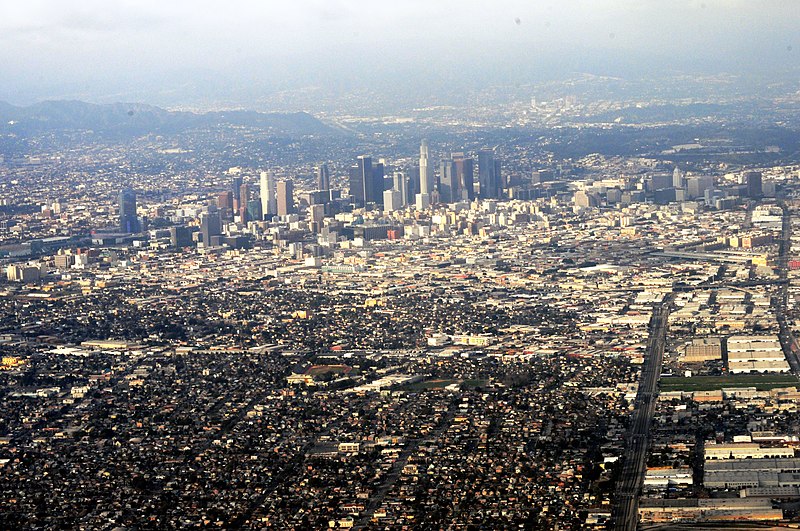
column 625, row 513
column 788, row 342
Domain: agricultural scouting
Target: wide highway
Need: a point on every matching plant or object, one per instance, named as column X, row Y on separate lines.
column 625, row 513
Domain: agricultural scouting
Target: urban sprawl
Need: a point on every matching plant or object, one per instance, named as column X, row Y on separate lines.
column 462, row 339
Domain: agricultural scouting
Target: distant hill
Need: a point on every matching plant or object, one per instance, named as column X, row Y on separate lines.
column 123, row 119
column 663, row 113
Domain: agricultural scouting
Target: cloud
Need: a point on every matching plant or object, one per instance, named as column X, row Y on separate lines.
column 88, row 41
column 80, row 16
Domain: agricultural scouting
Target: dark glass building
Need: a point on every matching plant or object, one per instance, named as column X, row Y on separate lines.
column 323, row 177
column 128, row 222
column 489, row 175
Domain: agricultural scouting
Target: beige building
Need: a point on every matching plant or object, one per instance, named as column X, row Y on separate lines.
column 755, row 354
column 745, row 450
column 703, row 349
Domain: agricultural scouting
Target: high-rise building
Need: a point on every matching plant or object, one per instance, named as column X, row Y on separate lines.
column 585, row 199
column 269, row 203
column 244, row 198
column 448, row 181
column 356, row 185
column 426, row 176
column 225, row 200
column 391, row 200
column 697, row 185
column 236, row 188
column 273, row 195
column 317, row 213
column 323, row 177
column 210, row 226
column 489, row 175
column 362, row 181
column 664, row 196
column 401, row 184
column 128, row 222
column 754, row 185
column 285, row 198
column 254, row 212
column 180, row 236
column 456, row 179
column 677, row 178
column 658, row 181
column 377, row 184
column 30, row 272
column 465, row 178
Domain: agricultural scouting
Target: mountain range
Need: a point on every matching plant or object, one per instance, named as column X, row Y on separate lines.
column 131, row 119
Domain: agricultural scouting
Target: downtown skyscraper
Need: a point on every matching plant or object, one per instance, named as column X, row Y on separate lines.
column 491, row 186
column 128, row 222
column 285, row 198
column 426, row 176
column 269, row 203
column 323, row 177
column 366, row 182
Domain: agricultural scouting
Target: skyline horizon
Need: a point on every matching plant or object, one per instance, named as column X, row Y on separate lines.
column 199, row 54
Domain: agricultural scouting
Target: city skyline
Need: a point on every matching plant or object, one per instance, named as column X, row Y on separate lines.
column 351, row 264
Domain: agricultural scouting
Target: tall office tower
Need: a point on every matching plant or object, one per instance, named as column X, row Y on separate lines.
column 225, row 200
column 285, row 198
column 696, row 186
column 489, row 174
column 269, row 203
column 244, row 198
column 244, row 193
column 425, row 170
column 273, row 195
column 465, row 173
column 356, row 186
column 401, row 185
column 237, row 188
column 317, row 213
column 658, row 181
column 413, row 183
column 323, row 177
column 754, row 185
column 423, row 201
column 254, row 212
column 391, row 200
column 377, row 183
column 677, row 178
column 128, row 222
column 585, row 199
column 448, row 182
column 210, row 225
column 180, row 236
column 365, row 172
column 361, row 181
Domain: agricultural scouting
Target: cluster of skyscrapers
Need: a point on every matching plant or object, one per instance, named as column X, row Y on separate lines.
column 454, row 182
column 368, row 185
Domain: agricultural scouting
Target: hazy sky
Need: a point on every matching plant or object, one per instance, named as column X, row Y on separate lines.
column 51, row 48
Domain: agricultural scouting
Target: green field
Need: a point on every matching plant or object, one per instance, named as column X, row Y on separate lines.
column 762, row 382
column 320, row 370
column 441, row 383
